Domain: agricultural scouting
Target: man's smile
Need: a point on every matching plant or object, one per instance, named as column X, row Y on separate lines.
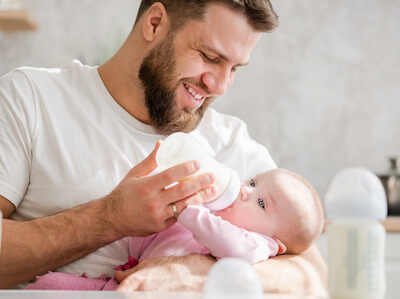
column 196, row 95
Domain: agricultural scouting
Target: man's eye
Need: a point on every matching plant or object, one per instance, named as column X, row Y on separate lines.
column 206, row 58
column 261, row 203
column 252, row 183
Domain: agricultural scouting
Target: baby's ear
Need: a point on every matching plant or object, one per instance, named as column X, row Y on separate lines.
column 282, row 248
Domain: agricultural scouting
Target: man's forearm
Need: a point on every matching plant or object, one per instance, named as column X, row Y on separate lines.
column 295, row 274
column 167, row 274
column 34, row 247
column 136, row 207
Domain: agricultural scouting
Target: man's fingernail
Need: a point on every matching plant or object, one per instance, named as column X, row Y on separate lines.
column 213, row 191
column 196, row 165
column 212, row 178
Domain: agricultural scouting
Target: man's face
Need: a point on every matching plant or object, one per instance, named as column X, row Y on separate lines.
column 158, row 75
column 182, row 74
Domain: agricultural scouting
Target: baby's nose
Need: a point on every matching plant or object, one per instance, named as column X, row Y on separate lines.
column 244, row 192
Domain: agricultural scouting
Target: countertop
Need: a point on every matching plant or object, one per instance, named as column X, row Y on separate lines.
column 18, row 294
column 391, row 224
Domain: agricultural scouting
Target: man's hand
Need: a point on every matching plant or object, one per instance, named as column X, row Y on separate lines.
column 141, row 205
column 178, row 274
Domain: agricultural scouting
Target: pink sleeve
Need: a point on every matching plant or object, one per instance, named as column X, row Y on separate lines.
column 224, row 239
column 174, row 241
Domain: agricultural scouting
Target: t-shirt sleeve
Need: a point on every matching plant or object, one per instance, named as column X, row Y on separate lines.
column 254, row 157
column 227, row 139
column 224, row 239
column 16, row 127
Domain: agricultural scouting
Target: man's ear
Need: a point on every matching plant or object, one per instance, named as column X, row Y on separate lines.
column 282, row 248
column 155, row 22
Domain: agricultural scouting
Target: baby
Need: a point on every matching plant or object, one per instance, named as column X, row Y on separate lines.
column 275, row 212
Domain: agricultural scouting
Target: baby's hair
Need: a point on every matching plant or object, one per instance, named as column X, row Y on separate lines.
column 309, row 223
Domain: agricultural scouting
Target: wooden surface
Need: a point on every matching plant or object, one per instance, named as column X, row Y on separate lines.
column 391, row 224
column 17, row 20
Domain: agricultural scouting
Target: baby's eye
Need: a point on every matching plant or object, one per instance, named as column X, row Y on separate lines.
column 261, row 203
column 252, row 183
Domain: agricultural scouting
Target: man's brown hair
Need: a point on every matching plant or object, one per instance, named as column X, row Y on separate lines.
column 259, row 13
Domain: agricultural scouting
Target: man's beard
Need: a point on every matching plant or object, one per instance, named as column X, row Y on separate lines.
column 157, row 73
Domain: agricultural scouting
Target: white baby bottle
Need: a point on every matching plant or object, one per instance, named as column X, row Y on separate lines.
column 231, row 278
column 181, row 147
column 355, row 201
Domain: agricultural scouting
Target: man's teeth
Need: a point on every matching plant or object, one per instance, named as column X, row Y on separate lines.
column 193, row 93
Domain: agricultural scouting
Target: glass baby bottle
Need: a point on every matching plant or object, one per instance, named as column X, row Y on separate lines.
column 355, row 202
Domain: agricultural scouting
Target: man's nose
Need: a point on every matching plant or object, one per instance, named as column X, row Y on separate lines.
column 218, row 81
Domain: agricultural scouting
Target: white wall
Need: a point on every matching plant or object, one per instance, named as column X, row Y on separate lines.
column 322, row 92
column 89, row 30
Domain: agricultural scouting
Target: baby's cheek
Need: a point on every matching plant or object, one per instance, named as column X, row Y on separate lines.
column 226, row 215
column 250, row 223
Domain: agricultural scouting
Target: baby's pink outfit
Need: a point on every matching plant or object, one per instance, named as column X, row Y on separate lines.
column 196, row 232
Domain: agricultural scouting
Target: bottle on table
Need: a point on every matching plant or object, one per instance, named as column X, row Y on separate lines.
column 355, row 202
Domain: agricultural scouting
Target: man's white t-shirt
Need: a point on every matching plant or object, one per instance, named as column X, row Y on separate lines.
column 64, row 141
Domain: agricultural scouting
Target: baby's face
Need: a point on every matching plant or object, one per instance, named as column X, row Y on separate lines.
column 262, row 204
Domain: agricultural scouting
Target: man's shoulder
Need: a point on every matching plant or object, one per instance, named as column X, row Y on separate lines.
column 73, row 67
column 228, row 140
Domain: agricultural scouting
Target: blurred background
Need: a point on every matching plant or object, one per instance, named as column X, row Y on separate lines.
column 322, row 92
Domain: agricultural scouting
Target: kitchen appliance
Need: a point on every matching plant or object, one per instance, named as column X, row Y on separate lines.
column 391, row 184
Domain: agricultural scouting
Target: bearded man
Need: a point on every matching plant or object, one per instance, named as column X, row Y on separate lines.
column 78, row 149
